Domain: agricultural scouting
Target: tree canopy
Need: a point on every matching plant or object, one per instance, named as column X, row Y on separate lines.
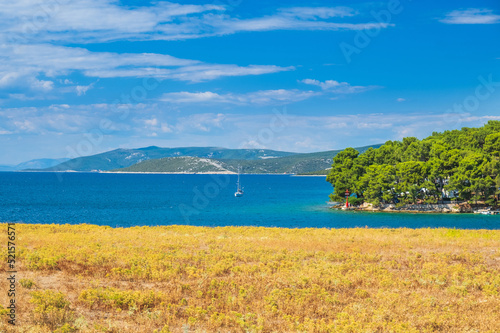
column 459, row 165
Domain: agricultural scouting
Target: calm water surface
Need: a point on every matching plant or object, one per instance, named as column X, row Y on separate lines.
column 129, row 200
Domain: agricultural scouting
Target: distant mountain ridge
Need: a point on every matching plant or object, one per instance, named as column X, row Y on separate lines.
column 122, row 158
column 36, row 164
column 296, row 164
column 201, row 159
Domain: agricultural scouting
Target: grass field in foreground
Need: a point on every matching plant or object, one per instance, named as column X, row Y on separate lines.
column 85, row 278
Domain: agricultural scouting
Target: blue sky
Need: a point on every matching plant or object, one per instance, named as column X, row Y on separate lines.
column 87, row 76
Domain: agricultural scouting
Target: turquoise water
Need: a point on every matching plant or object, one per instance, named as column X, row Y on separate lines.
column 123, row 200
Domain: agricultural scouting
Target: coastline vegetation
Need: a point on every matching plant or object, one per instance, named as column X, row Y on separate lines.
column 87, row 278
column 459, row 165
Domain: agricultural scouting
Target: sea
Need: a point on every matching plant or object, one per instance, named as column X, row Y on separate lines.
column 125, row 200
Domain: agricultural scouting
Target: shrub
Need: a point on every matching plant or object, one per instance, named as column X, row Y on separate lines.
column 51, row 308
column 120, row 299
column 165, row 329
column 27, row 283
column 66, row 328
column 3, row 311
column 355, row 201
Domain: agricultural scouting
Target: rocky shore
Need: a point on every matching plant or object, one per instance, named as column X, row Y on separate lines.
column 420, row 208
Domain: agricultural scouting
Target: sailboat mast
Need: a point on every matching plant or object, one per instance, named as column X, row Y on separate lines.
column 239, row 191
column 238, row 178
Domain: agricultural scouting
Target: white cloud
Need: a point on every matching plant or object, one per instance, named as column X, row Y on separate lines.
column 400, row 100
column 151, row 124
column 202, row 122
column 337, row 87
column 54, row 119
column 23, row 66
column 22, row 97
column 205, row 72
column 279, row 95
column 56, row 60
column 42, row 85
column 262, row 97
column 471, row 16
column 105, row 20
column 154, row 125
column 265, row 97
column 32, row 32
column 12, row 78
column 92, row 20
column 8, row 79
column 82, row 90
column 165, row 128
column 141, row 119
column 318, row 12
column 198, row 97
column 284, row 21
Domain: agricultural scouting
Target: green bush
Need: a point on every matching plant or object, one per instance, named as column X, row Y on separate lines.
column 355, row 201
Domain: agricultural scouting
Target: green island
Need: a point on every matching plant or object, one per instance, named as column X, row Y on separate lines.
column 453, row 171
column 87, row 278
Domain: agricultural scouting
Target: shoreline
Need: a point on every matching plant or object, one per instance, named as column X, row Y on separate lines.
column 240, row 227
column 199, row 173
column 169, row 173
column 216, row 228
column 451, row 208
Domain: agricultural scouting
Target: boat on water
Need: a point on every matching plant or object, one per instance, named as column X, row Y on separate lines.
column 239, row 190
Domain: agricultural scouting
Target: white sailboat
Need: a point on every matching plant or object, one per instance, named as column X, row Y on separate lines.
column 239, row 190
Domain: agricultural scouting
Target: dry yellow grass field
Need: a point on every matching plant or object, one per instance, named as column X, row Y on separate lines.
column 89, row 278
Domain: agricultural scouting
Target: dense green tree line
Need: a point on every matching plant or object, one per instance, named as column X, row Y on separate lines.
column 461, row 165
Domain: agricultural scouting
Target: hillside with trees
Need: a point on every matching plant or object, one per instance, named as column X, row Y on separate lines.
column 298, row 163
column 123, row 158
column 458, row 165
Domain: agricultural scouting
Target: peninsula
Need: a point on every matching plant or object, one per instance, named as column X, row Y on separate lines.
column 447, row 171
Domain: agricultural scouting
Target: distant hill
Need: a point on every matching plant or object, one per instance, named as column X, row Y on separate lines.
column 122, row 158
column 297, row 164
column 177, row 164
column 42, row 163
column 6, row 168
